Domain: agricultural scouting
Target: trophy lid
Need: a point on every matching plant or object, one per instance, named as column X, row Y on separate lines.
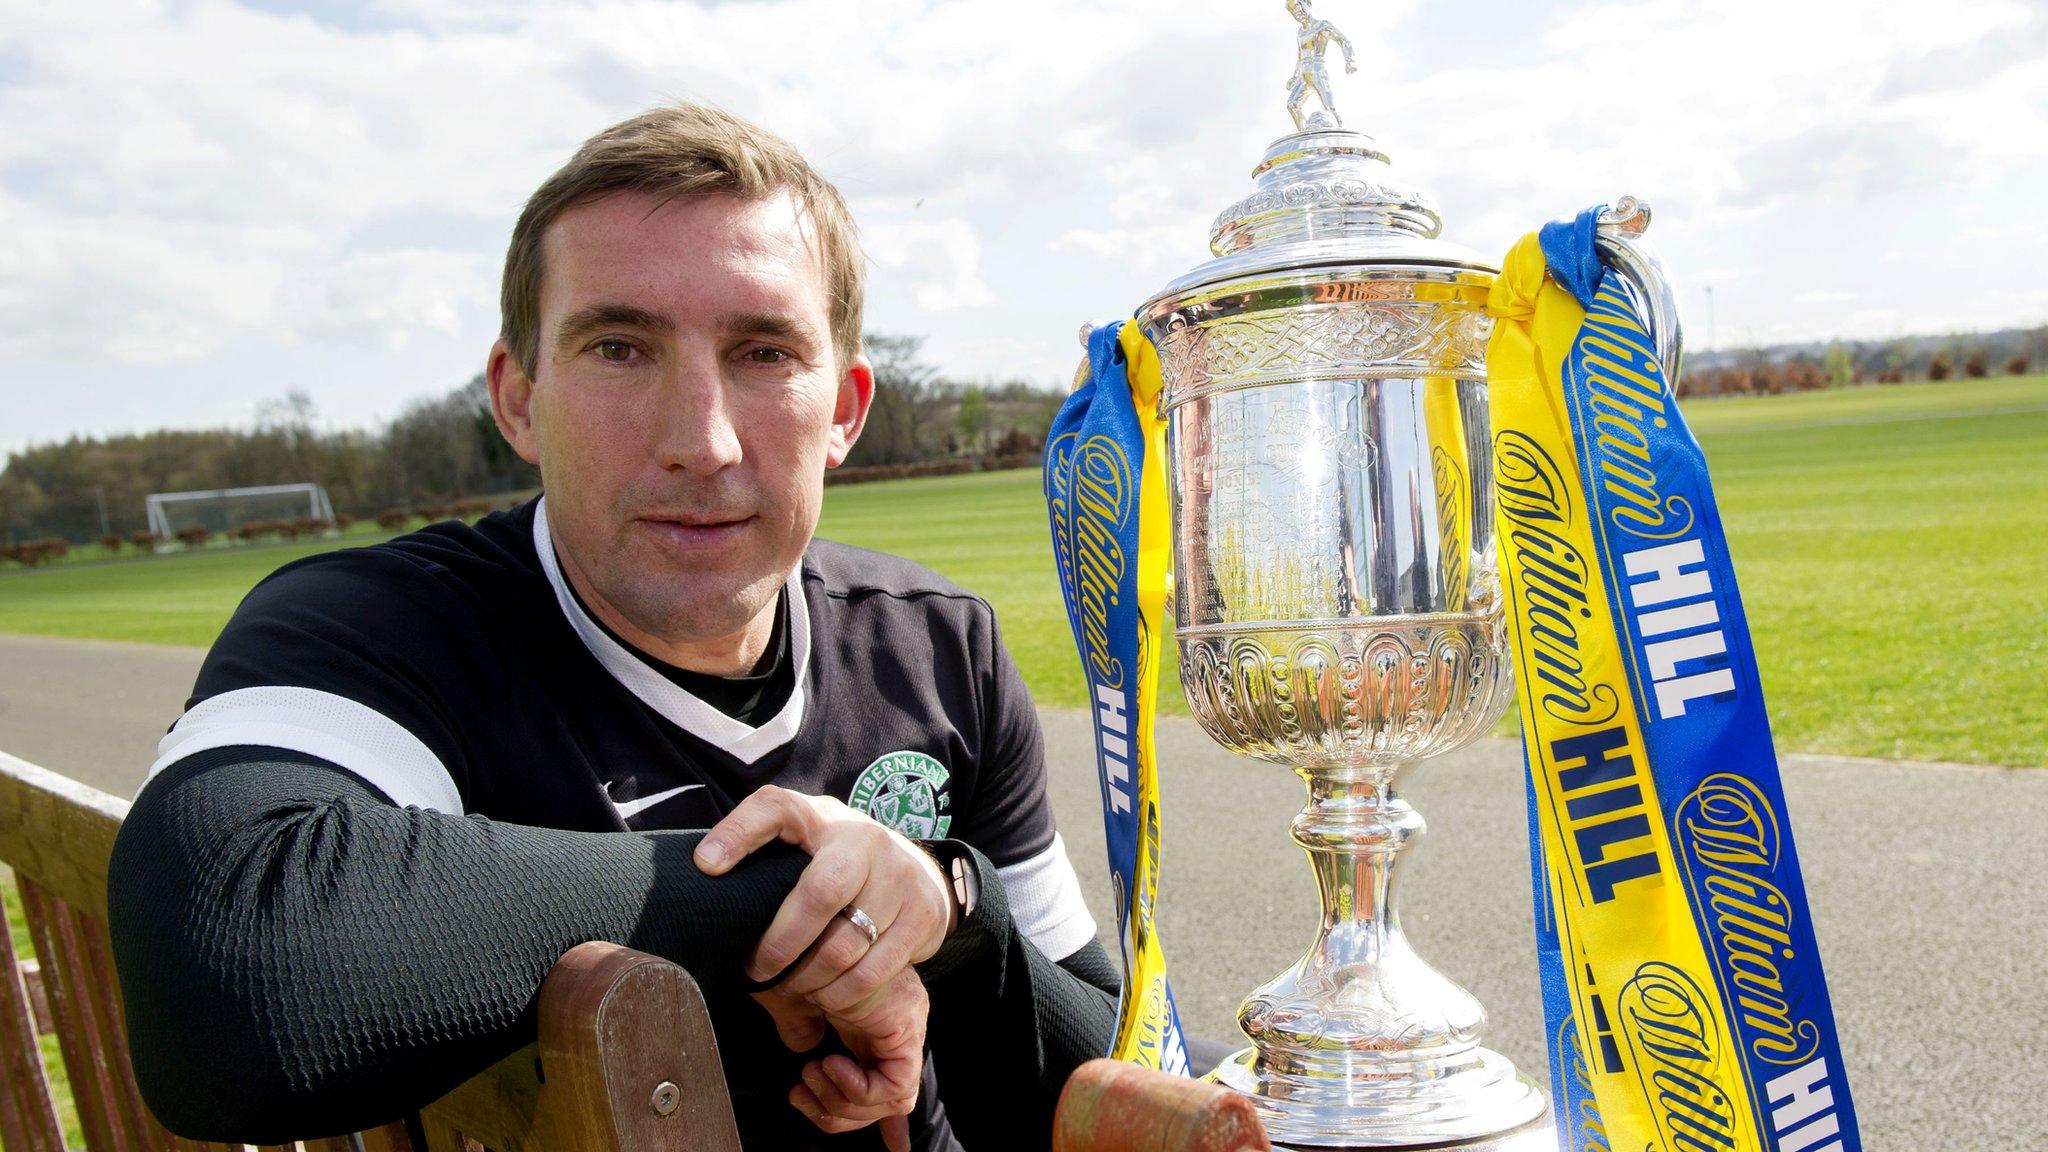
column 1325, row 195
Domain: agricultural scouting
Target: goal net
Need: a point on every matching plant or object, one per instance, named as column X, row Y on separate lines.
column 230, row 510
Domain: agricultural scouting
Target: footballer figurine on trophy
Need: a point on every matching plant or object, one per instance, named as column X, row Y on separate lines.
column 1310, row 45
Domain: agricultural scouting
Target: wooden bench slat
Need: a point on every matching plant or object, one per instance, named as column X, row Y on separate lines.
column 85, row 1003
column 38, row 1001
column 443, row 1136
column 102, row 989
column 28, row 1113
column 49, row 924
column 58, row 832
column 390, row 1138
column 499, row 1106
column 615, row 1025
column 1108, row 1106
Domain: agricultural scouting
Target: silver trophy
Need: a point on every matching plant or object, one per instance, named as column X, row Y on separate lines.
column 1337, row 601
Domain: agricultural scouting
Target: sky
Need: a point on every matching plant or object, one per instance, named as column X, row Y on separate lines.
column 206, row 205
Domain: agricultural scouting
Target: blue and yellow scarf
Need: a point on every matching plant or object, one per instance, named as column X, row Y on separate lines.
column 1105, row 490
column 1681, row 983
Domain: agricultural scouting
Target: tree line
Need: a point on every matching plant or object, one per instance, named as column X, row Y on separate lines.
column 436, row 450
column 444, row 455
column 446, row 452
column 1803, row 367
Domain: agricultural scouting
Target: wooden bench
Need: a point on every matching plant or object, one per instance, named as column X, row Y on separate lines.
column 625, row 1059
column 624, row 1037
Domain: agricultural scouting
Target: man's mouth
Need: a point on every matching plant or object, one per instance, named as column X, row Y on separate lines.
column 694, row 532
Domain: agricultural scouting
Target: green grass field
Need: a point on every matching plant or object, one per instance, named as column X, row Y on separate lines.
column 176, row 598
column 1892, row 544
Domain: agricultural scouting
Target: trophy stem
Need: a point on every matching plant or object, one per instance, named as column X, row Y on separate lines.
column 1354, row 828
column 1363, row 1044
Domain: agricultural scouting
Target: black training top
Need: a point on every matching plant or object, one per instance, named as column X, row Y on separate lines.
column 453, row 673
column 455, row 670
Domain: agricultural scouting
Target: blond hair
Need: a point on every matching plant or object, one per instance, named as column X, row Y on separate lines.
column 683, row 150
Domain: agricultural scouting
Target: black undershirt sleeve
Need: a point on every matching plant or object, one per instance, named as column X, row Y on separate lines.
column 299, row 957
column 1009, row 1025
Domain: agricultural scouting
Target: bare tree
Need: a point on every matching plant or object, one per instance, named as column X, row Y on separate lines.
column 905, row 386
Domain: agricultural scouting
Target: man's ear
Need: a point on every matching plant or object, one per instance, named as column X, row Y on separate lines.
column 850, row 412
column 512, row 402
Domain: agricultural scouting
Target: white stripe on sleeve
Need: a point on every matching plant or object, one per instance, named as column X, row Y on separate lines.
column 336, row 729
column 1045, row 901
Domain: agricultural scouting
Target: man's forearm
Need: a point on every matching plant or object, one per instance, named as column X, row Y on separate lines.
column 299, row 957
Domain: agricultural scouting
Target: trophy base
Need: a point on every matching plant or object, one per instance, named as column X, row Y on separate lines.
column 1538, row 1135
column 1485, row 1106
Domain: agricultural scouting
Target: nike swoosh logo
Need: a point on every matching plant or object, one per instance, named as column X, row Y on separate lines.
column 632, row 808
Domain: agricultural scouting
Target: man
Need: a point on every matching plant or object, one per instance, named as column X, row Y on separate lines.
column 413, row 775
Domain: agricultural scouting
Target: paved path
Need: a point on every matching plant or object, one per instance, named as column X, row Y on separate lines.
column 90, row 709
column 1929, row 885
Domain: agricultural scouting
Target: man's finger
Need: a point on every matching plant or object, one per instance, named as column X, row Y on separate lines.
column 830, row 882
column 836, row 1102
column 851, row 1079
column 891, row 1074
column 798, row 1023
column 871, row 972
column 829, row 1096
column 886, row 1082
column 896, row 1133
column 800, row 1035
column 770, row 814
column 801, row 1099
column 864, row 1089
column 892, row 953
column 840, row 949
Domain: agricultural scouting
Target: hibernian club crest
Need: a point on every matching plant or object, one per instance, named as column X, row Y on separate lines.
column 907, row 791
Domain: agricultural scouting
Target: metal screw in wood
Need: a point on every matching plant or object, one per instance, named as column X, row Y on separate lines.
column 666, row 1097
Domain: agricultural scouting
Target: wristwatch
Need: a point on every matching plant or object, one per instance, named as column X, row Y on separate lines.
column 966, row 885
column 963, row 879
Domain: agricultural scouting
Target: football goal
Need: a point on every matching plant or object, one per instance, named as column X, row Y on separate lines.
column 226, row 510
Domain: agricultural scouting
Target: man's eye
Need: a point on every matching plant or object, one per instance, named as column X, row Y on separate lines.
column 616, row 351
column 768, row 356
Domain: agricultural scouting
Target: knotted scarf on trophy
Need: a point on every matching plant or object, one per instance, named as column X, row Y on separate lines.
column 1105, row 492
column 1684, row 996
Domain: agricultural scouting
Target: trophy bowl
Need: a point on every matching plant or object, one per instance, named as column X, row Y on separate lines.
column 1338, row 609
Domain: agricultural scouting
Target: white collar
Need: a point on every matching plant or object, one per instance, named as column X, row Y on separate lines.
column 665, row 696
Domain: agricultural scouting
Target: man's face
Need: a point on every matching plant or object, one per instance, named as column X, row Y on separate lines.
column 685, row 404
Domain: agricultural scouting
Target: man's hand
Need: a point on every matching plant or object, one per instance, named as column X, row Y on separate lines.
column 855, row 863
column 886, row 1034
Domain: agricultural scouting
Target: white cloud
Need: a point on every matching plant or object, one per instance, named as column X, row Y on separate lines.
column 131, row 289
column 391, row 298
column 939, row 261
column 205, row 190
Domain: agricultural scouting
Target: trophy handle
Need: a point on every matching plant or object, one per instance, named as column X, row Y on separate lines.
column 1618, row 234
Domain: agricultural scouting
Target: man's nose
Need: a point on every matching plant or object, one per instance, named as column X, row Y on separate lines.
column 696, row 432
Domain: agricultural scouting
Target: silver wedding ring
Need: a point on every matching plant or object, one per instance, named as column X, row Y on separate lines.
column 864, row 922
